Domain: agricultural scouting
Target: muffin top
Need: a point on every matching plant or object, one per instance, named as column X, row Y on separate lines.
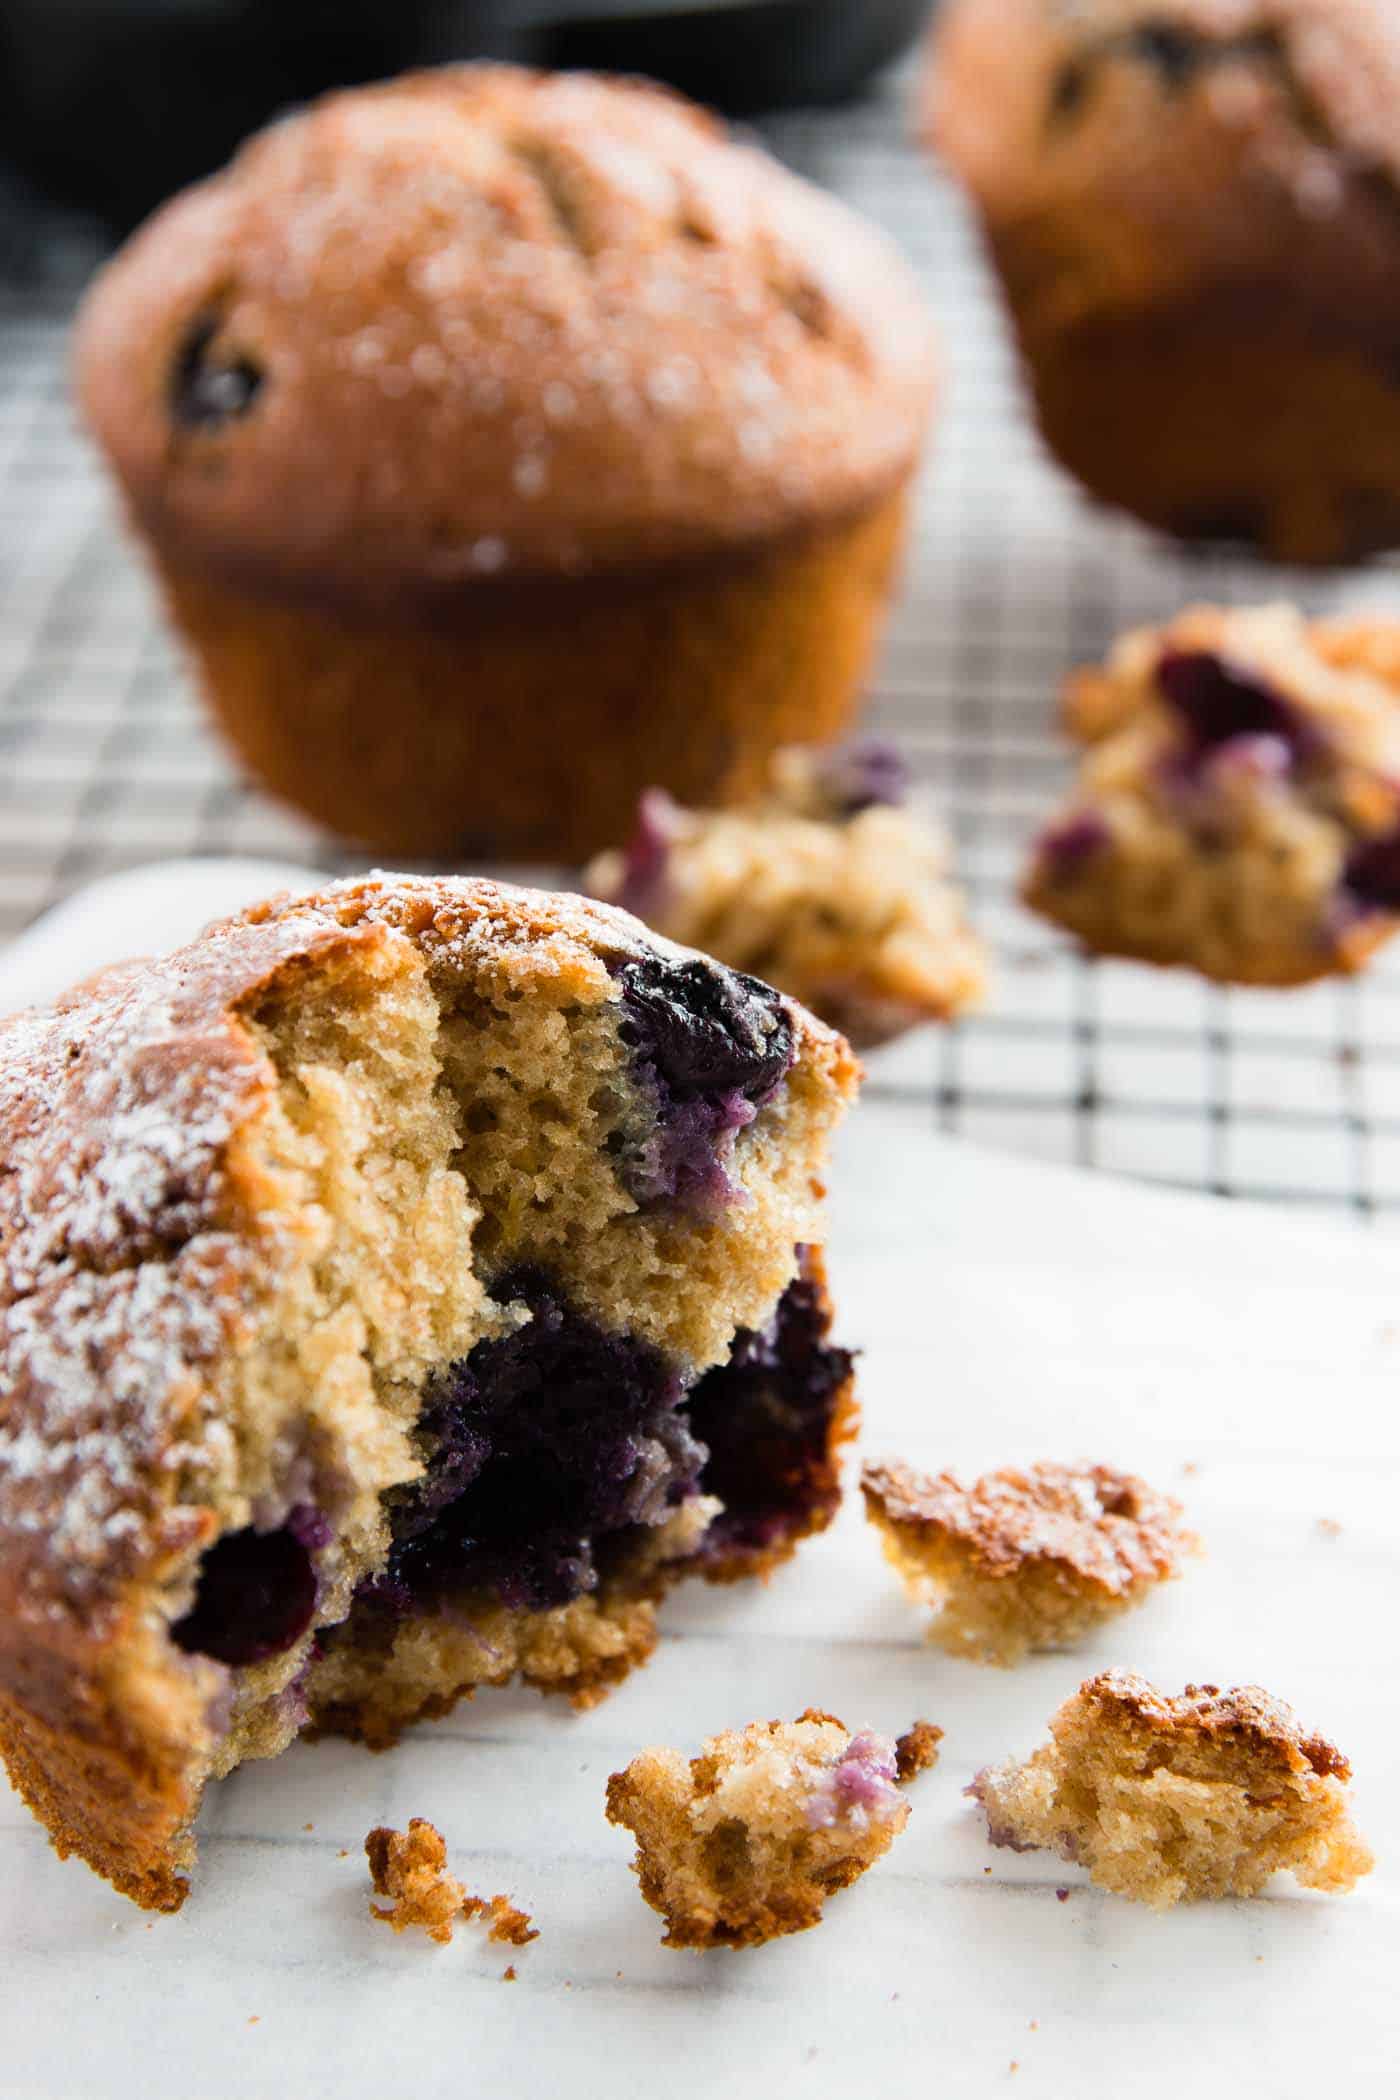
column 485, row 322
column 1308, row 88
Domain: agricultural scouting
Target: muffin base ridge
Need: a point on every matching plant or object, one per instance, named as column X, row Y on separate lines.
column 526, row 717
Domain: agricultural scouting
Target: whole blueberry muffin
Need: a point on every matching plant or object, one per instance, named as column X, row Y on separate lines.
column 399, row 1287
column 1194, row 206
column 506, row 443
column 1237, row 808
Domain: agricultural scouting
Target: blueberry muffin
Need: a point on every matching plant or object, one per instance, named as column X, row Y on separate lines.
column 1194, row 207
column 1169, row 1799
column 745, row 1842
column 399, row 1288
column 505, row 443
column 1238, row 802
column 829, row 885
column 1024, row 1562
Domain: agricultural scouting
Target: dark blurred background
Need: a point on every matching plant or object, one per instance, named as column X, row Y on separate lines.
column 106, row 106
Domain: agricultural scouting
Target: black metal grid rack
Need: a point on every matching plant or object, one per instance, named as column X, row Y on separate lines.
column 105, row 759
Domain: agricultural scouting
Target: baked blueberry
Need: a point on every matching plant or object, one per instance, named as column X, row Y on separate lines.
column 1238, row 803
column 207, row 389
column 256, row 1597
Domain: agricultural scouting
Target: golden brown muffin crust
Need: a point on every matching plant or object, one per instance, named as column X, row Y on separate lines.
column 1103, row 1526
column 501, row 324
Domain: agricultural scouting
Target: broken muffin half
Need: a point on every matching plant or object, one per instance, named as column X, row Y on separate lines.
column 399, row 1287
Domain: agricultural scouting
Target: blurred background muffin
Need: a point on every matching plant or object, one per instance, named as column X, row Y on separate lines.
column 1194, row 206
column 506, row 443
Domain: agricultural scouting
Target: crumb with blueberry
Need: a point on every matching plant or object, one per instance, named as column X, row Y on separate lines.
column 1237, row 810
column 1173, row 1799
column 745, row 1842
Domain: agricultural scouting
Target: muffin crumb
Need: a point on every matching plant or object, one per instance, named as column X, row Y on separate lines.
column 509, row 1926
column 1164, row 1799
column 746, row 1841
column 915, row 1751
column 410, row 1867
column 1022, row 1562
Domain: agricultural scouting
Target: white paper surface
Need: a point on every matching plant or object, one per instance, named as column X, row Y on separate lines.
column 1007, row 1312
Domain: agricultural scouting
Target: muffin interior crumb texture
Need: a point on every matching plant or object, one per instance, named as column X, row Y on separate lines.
column 1169, row 1799
column 828, row 885
column 484, row 1287
column 1237, row 809
column 746, row 1841
column 1024, row 1561
column 410, row 1868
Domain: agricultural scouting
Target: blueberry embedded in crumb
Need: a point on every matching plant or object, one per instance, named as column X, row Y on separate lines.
column 710, row 1045
column 703, row 1029
column 1173, row 52
column 207, row 391
column 765, row 1419
column 1372, row 875
column 1067, row 846
column 1219, row 702
column 868, row 773
column 256, row 1596
column 647, row 853
column 540, row 1443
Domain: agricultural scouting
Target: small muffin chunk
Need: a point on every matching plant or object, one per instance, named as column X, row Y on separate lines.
column 1167, row 1799
column 829, row 886
column 1238, row 804
column 1024, row 1561
column 745, row 1842
column 410, row 1868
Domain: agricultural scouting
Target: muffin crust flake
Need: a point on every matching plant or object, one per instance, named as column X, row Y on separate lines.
column 1023, row 1562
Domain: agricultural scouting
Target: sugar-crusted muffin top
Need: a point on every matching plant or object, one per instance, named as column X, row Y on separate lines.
column 1106, row 1527
column 1180, row 147
column 485, row 322
column 1245, row 1719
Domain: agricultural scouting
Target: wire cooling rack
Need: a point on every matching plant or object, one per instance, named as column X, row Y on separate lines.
column 105, row 759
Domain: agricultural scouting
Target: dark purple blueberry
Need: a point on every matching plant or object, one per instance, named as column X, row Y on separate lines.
column 1174, row 53
column 206, row 389
column 1217, row 702
column 765, row 1418
column 647, row 852
column 1067, row 846
column 256, row 1596
column 310, row 1527
column 868, row 773
column 538, row 1444
column 547, row 1449
column 1069, row 91
column 1373, row 872
column 704, row 1031
column 709, row 1045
